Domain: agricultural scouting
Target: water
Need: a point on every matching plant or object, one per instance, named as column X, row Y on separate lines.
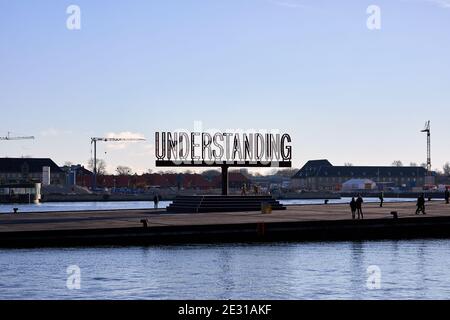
column 112, row 205
column 416, row 269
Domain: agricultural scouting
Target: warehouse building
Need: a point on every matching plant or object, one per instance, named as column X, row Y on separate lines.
column 322, row 175
column 30, row 170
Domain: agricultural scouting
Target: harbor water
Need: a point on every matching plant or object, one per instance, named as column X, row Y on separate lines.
column 415, row 269
column 118, row 205
column 404, row 269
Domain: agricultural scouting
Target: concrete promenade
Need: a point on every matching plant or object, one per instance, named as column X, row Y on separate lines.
column 308, row 222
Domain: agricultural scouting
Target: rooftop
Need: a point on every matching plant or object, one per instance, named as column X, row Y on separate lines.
column 31, row 165
column 323, row 168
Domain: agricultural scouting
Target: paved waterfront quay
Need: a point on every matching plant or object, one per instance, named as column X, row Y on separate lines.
column 296, row 223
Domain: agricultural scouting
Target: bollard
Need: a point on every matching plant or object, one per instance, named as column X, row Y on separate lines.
column 266, row 208
column 144, row 223
column 16, row 210
column 394, row 214
column 326, row 201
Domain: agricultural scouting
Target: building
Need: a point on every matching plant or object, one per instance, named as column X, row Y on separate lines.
column 181, row 181
column 322, row 175
column 75, row 173
column 29, row 170
column 359, row 184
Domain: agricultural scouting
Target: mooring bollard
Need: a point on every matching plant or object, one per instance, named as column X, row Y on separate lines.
column 326, row 201
column 16, row 210
column 266, row 208
column 144, row 223
column 394, row 214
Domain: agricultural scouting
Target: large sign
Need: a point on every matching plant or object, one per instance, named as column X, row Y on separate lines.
column 219, row 149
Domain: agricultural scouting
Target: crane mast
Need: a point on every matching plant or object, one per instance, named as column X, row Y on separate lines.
column 427, row 130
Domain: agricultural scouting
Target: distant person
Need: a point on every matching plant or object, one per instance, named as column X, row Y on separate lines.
column 447, row 196
column 359, row 202
column 353, row 208
column 255, row 189
column 243, row 190
column 156, row 201
column 421, row 204
column 381, row 199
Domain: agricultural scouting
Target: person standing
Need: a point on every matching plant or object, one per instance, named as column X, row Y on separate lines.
column 447, row 196
column 156, row 201
column 381, row 199
column 353, row 208
column 421, row 204
column 359, row 202
column 244, row 190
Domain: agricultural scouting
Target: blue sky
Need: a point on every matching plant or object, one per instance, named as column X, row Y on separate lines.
column 309, row 68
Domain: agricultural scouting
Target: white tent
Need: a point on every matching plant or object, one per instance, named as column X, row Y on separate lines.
column 358, row 184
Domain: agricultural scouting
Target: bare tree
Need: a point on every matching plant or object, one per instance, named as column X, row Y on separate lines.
column 123, row 171
column 446, row 169
column 413, row 164
column 348, row 164
column 397, row 163
column 209, row 174
column 287, row 173
column 101, row 166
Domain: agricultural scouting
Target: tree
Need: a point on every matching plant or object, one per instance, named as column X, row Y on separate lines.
column 123, row 171
column 348, row 164
column 287, row 173
column 149, row 171
column 397, row 163
column 101, row 166
column 413, row 164
column 209, row 174
column 68, row 164
column 446, row 169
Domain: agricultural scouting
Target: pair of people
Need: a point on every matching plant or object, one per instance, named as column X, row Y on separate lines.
column 421, row 204
column 356, row 207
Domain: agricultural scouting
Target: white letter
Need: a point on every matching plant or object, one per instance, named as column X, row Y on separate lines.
column 374, row 20
column 74, row 20
column 374, row 279
column 74, row 280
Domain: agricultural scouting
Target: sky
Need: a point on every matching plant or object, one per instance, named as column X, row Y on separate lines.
column 311, row 68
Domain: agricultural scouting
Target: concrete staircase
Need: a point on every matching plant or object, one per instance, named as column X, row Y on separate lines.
column 199, row 204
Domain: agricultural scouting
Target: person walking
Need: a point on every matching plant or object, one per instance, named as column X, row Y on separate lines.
column 353, row 208
column 359, row 202
column 421, row 204
column 244, row 190
column 447, row 196
column 381, row 199
column 156, row 201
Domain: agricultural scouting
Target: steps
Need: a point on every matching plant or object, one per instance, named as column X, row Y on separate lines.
column 201, row 204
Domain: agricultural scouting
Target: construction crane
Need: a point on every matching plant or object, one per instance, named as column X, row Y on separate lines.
column 94, row 142
column 9, row 137
column 427, row 130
